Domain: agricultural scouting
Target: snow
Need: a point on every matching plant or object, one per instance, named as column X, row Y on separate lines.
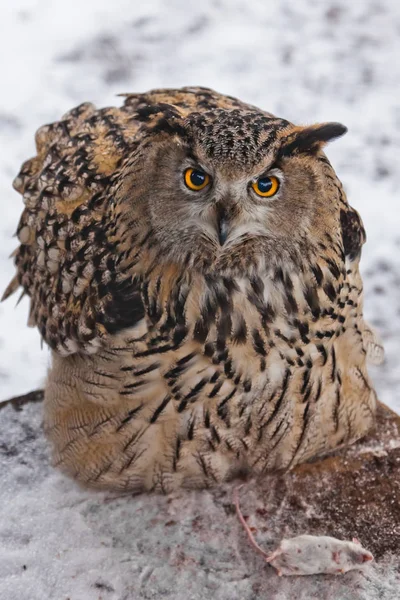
column 306, row 61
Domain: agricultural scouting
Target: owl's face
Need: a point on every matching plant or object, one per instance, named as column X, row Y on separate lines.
column 234, row 190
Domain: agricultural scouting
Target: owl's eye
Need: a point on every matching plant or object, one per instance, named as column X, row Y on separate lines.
column 196, row 180
column 266, row 186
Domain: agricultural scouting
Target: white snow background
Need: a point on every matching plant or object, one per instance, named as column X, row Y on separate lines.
column 304, row 60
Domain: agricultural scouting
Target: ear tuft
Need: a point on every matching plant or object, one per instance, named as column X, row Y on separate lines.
column 311, row 139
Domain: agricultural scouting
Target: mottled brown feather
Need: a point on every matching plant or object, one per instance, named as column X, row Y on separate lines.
column 178, row 359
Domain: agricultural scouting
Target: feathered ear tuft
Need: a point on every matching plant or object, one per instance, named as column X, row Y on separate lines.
column 311, row 139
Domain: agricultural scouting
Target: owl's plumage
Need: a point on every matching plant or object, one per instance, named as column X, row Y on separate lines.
column 195, row 334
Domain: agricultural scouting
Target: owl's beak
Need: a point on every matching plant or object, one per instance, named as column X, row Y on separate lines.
column 222, row 225
column 222, row 231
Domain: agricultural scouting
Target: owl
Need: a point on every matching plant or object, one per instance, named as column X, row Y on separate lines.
column 193, row 264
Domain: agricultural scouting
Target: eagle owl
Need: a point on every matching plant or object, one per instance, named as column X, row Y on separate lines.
column 193, row 264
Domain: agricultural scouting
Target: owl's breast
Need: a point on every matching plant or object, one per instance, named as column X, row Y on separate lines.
column 220, row 377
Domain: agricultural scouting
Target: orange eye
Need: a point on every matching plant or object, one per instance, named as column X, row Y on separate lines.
column 196, row 180
column 266, row 186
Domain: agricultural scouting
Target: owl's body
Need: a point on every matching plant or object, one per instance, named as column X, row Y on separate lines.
column 196, row 334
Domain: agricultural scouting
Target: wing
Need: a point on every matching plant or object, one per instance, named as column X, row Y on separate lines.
column 354, row 236
column 68, row 261
column 353, row 232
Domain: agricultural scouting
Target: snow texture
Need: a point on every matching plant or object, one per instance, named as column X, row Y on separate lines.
column 59, row 542
column 307, row 61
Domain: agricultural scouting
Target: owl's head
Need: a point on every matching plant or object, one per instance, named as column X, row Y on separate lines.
column 232, row 190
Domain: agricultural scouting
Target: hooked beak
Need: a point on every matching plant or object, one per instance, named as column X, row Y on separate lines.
column 222, row 225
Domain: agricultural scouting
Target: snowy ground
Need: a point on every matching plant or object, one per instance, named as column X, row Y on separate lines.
column 58, row 542
column 309, row 60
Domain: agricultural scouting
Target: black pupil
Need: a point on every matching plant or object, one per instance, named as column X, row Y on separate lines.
column 197, row 178
column 264, row 184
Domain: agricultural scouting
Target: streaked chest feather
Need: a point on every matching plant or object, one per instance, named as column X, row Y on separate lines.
column 221, row 375
column 229, row 345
